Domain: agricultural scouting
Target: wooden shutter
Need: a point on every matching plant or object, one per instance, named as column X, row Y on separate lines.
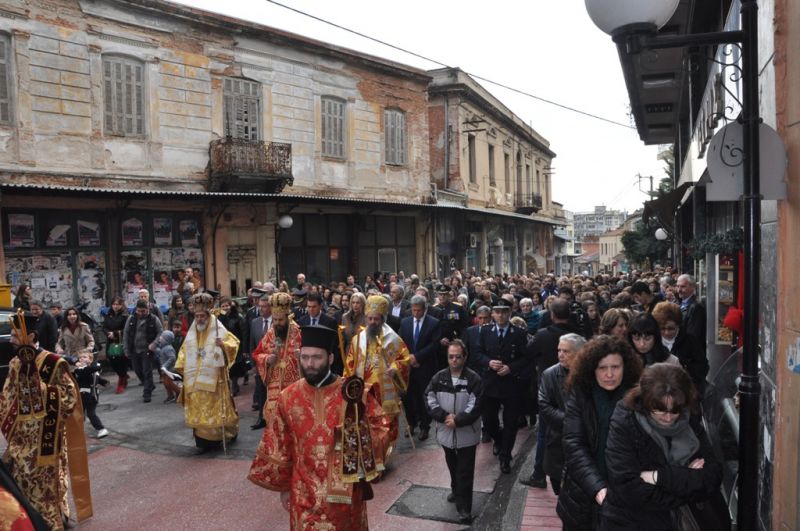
column 5, row 77
column 395, row 136
column 123, row 98
column 242, row 108
column 332, row 127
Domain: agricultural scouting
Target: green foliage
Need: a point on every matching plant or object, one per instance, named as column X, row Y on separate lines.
column 722, row 243
column 640, row 246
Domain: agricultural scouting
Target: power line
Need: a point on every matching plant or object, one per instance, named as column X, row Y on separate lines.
column 434, row 61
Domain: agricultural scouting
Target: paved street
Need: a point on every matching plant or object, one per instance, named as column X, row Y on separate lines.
column 145, row 476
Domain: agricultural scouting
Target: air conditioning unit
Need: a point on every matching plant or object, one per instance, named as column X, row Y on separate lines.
column 472, row 240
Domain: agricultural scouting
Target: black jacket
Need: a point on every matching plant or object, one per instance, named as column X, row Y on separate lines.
column 47, row 330
column 472, row 338
column 322, row 320
column 582, row 479
column 692, row 356
column 427, row 347
column 694, row 320
column 512, row 351
column 115, row 323
column 544, row 345
column 631, row 503
column 552, row 402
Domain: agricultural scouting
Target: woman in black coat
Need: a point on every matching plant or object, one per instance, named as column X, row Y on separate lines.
column 603, row 372
column 113, row 326
column 659, row 459
column 690, row 351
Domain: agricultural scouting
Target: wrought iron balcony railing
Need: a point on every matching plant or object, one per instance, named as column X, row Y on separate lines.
column 528, row 203
column 240, row 165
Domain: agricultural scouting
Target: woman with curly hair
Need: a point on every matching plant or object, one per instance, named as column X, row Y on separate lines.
column 659, row 458
column 603, row 372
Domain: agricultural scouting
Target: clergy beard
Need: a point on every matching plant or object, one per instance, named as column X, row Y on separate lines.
column 373, row 331
column 281, row 331
column 202, row 327
column 315, row 377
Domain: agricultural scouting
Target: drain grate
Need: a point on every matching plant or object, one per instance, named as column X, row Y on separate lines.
column 430, row 503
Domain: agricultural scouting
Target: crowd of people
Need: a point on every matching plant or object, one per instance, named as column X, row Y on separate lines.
column 611, row 366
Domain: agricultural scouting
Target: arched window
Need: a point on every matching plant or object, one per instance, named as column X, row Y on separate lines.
column 123, row 96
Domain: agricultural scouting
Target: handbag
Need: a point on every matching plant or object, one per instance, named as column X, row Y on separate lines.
column 115, row 350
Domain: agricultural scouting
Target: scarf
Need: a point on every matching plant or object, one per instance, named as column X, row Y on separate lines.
column 604, row 404
column 668, row 343
column 678, row 441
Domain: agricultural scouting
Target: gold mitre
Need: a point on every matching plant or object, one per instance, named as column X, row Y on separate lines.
column 202, row 302
column 377, row 304
column 281, row 303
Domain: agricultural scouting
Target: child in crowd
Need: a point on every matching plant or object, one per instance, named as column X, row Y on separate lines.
column 87, row 374
column 177, row 330
column 165, row 354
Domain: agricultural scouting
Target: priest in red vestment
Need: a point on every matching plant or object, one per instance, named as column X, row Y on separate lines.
column 326, row 441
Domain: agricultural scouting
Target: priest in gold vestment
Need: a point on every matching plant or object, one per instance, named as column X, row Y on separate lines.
column 42, row 421
column 380, row 357
column 204, row 359
column 324, row 444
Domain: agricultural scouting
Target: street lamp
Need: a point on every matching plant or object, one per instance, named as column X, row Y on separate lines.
column 661, row 234
column 633, row 24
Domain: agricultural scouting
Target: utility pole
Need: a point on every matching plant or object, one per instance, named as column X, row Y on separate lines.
column 640, row 177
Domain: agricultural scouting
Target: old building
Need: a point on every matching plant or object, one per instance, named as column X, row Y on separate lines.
column 141, row 137
column 494, row 171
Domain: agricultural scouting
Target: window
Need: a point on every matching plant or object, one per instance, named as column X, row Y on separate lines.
column 507, row 170
column 123, row 85
column 242, row 108
column 5, row 78
column 394, row 126
column 491, row 166
column 472, row 162
column 332, row 128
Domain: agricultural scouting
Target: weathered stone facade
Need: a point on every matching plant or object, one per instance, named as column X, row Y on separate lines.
column 58, row 142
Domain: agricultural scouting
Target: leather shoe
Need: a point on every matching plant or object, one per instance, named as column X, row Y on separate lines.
column 505, row 466
column 532, row 481
column 146, row 399
column 451, row 497
column 254, row 407
column 423, row 434
column 259, row 425
column 496, row 449
column 464, row 517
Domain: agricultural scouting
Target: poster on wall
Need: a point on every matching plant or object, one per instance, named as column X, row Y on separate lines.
column 162, row 231
column 88, row 233
column 91, row 282
column 134, row 273
column 20, row 230
column 50, row 276
column 132, row 233
column 57, row 237
column 163, row 282
column 190, row 233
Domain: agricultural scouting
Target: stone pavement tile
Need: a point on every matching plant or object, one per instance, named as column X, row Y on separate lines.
column 541, row 521
column 541, row 511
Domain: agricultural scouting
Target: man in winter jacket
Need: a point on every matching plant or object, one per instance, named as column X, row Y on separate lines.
column 453, row 398
column 141, row 331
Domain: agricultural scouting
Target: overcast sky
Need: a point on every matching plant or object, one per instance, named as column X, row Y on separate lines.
column 547, row 48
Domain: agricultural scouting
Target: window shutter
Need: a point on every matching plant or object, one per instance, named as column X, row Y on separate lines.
column 123, row 98
column 242, row 100
column 5, row 92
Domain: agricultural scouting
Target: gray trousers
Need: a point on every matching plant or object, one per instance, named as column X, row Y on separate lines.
column 143, row 367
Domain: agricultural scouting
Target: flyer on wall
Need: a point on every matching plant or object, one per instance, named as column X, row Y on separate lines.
column 132, row 233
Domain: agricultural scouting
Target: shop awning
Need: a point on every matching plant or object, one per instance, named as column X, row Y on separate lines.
column 663, row 209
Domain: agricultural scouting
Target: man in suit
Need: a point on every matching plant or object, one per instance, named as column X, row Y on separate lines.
column 694, row 313
column 314, row 316
column 483, row 316
column 400, row 307
column 258, row 329
column 503, row 356
column 421, row 333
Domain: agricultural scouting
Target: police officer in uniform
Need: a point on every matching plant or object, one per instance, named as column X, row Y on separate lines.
column 453, row 318
column 507, row 367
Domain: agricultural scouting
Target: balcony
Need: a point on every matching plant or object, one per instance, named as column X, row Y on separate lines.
column 527, row 203
column 240, row 165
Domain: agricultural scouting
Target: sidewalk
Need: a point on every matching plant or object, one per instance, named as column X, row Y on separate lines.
column 145, row 476
column 540, row 510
